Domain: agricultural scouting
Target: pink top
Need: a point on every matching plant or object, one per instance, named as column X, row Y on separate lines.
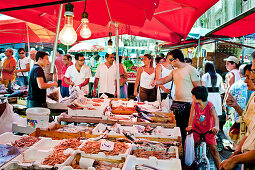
column 203, row 122
column 59, row 64
column 64, row 68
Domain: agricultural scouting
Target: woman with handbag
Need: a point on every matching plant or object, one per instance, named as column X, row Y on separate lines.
column 22, row 68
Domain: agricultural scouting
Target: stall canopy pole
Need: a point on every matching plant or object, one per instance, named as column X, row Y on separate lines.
column 243, row 50
column 28, row 43
column 215, row 53
column 198, row 50
column 56, row 39
column 117, row 57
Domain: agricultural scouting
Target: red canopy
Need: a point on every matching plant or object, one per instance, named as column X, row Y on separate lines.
column 167, row 20
column 238, row 26
column 18, row 31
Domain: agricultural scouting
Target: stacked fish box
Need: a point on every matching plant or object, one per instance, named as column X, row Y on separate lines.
column 88, row 107
column 46, row 154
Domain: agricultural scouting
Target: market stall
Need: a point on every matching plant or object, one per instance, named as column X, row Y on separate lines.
column 115, row 133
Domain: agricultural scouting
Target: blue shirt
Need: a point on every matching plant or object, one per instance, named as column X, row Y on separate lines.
column 239, row 91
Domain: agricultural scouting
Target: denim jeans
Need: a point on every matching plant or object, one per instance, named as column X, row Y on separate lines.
column 20, row 80
column 64, row 91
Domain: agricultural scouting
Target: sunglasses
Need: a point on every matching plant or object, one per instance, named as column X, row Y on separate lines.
column 81, row 60
column 21, row 53
column 171, row 59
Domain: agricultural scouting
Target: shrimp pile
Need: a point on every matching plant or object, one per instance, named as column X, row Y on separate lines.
column 141, row 153
column 25, row 141
column 93, row 147
column 58, row 156
column 55, row 158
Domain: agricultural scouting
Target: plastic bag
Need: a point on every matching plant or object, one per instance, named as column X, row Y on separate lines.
column 226, row 129
column 53, row 93
column 165, row 105
column 8, row 118
column 189, row 150
column 158, row 94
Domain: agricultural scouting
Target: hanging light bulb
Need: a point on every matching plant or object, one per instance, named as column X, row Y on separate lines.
column 85, row 31
column 68, row 35
column 109, row 44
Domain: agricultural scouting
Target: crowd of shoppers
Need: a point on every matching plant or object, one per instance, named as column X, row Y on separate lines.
column 196, row 100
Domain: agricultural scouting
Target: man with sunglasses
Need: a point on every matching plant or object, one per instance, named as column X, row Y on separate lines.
column 79, row 74
column 185, row 78
column 8, row 69
column 22, row 68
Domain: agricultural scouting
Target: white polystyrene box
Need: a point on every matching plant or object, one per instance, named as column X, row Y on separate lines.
column 8, row 138
column 46, row 144
column 132, row 161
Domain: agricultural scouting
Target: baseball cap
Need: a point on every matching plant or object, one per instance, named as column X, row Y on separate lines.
column 232, row 58
column 33, row 52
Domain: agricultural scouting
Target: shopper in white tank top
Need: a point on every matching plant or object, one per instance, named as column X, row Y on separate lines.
column 163, row 70
column 145, row 75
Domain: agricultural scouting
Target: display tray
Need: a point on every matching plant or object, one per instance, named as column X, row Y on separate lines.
column 132, row 163
column 98, row 112
column 123, row 112
column 55, row 134
column 57, row 106
column 117, row 154
column 111, row 122
column 87, row 161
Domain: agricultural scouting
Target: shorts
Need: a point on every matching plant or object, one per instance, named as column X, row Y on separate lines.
column 209, row 138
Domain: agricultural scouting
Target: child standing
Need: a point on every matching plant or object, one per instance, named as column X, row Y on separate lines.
column 203, row 118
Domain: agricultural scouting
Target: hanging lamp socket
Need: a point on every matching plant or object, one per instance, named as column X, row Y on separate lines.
column 109, row 42
column 85, row 16
column 69, row 9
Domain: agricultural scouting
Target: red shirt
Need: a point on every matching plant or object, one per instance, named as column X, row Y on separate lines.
column 59, row 64
column 203, row 122
column 64, row 68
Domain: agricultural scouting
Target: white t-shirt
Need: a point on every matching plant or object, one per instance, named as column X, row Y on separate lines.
column 146, row 79
column 183, row 78
column 78, row 77
column 107, row 77
column 22, row 65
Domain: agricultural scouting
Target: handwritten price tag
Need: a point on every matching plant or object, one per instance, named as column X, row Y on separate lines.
column 106, row 145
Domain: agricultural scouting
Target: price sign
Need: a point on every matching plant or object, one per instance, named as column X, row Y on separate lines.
column 106, row 145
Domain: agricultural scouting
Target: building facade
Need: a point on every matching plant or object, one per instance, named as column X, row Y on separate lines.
column 222, row 12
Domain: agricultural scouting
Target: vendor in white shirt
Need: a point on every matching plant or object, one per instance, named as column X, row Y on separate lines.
column 79, row 74
column 106, row 75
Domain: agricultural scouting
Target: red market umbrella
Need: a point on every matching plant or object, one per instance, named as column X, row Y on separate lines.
column 17, row 31
column 236, row 27
column 97, row 48
column 163, row 19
